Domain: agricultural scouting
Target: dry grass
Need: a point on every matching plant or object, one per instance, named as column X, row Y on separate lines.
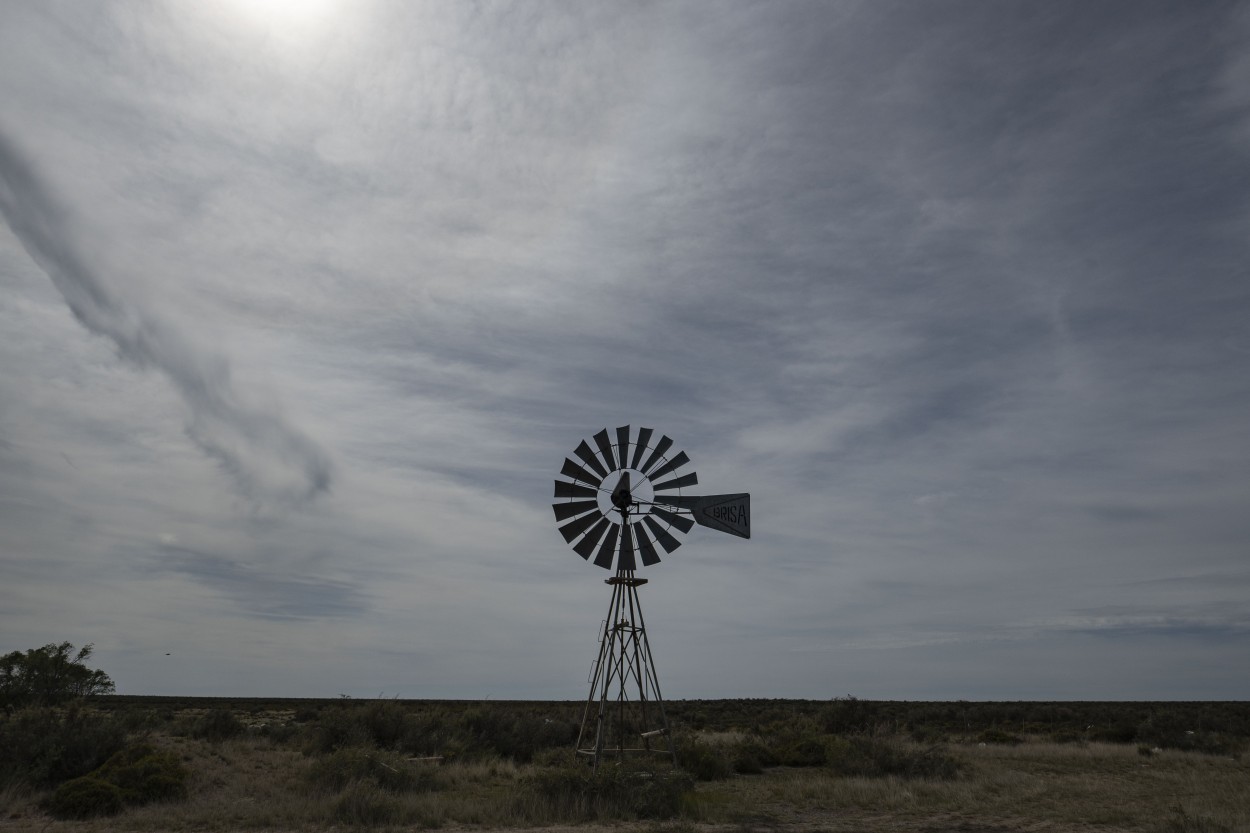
column 1031, row 786
column 253, row 784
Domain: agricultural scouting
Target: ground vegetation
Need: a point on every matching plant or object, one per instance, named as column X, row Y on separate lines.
column 109, row 762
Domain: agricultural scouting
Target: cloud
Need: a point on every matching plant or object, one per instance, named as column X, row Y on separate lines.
column 263, row 593
column 266, row 456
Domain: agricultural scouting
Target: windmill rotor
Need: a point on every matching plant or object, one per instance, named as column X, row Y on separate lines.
column 623, row 497
column 612, row 501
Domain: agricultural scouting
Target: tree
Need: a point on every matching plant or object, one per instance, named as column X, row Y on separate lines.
column 49, row 675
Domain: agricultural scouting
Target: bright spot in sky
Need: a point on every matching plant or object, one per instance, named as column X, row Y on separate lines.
column 278, row 12
column 292, row 24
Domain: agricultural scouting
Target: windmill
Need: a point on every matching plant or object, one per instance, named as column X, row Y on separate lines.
column 615, row 504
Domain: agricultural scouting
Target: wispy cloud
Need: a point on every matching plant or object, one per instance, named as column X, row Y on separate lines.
column 263, row 593
column 267, row 457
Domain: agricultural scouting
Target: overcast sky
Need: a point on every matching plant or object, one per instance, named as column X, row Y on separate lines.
column 302, row 306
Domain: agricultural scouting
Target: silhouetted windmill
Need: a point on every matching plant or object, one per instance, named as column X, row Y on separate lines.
column 620, row 501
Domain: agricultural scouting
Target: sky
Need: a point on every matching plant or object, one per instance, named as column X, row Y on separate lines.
column 303, row 306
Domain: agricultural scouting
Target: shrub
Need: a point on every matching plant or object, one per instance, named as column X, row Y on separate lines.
column 750, row 757
column 804, row 752
column 337, row 728
column 280, row 733
column 875, row 757
column 1122, row 731
column 48, row 676
column 384, row 722
column 1000, row 737
column 385, row 770
column 84, row 798
column 144, row 775
column 44, row 747
column 703, row 762
column 217, row 725
column 850, row 715
column 922, row 733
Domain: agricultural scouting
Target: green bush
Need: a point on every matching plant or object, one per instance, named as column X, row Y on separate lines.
column 84, row 798
column 850, row 715
column 1122, row 731
column 1170, row 731
column 339, row 727
column 217, row 725
column 873, row 757
column 49, row 676
column 808, row 751
column 280, row 733
column 750, row 757
column 703, row 762
column 44, row 747
column 144, row 775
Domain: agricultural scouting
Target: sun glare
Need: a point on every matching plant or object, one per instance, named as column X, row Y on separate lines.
column 279, row 13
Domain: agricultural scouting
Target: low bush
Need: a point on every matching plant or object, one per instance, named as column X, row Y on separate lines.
column 337, row 727
column 874, row 757
column 750, row 757
column 810, row 751
column 217, row 725
column 386, row 770
column 923, row 733
column 144, row 775
column 43, row 747
column 84, row 798
column 850, row 715
column 704, row 762
column 998, row 736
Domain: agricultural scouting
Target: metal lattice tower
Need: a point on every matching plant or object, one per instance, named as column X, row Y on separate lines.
column 624, row 710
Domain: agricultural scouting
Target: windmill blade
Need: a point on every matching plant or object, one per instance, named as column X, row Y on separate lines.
column 588, row 457
column 677, row 482
column 574, row 528
column 662, row 446
column 645, row 548
column 605, row 448
column 626, row 561
column 573, row 490
column 622, row 446
column 576, row 472
column 587, row 545
column 672, row 465
column 644, row 438
column 668, row 542
column 564, row 511
column 679, row 521
column 608, row 548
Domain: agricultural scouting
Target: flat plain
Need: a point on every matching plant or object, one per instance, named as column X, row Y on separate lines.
column 754, row 765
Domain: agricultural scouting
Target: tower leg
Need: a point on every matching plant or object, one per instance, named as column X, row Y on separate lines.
column 624, row 712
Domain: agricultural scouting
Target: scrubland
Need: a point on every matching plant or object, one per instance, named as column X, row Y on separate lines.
column 843, row 765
